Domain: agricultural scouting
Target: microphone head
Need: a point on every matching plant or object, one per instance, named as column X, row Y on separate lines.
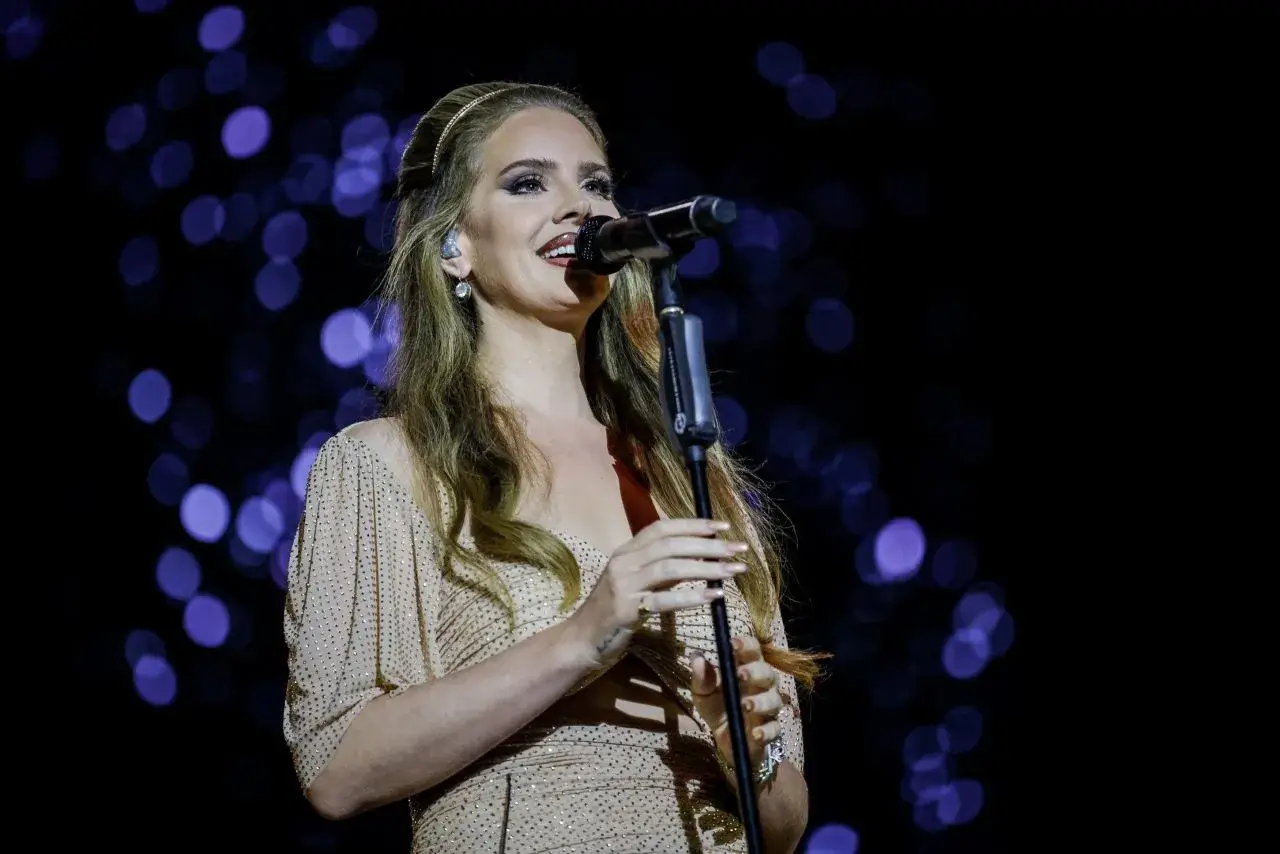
column 588, row 250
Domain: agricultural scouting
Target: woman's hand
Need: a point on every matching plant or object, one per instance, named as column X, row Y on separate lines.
column 638, row 579
column 761, row 702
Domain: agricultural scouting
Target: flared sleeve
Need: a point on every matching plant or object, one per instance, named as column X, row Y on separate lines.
column 361, row 589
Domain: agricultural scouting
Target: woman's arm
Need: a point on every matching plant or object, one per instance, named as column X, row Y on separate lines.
column 366, row 718
column 400, row 745
column 783, row 807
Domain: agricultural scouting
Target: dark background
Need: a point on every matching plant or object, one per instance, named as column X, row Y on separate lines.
column 901, row 204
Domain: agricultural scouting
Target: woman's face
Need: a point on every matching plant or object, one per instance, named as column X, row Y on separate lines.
column 542, row 175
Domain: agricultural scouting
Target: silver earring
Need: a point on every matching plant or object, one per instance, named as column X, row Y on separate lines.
column 462, row 290
column 449, row 248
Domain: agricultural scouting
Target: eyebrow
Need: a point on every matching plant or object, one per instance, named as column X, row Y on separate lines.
column 548, row 165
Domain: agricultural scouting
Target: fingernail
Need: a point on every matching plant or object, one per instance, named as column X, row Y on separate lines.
column 737, row 643
column 749, row 705
column 743, row 674
column 758, row 734
column 720, row 526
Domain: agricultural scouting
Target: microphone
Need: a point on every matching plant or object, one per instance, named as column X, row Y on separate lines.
column 604, row 243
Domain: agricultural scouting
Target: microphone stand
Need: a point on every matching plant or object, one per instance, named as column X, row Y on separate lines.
column 691, row 425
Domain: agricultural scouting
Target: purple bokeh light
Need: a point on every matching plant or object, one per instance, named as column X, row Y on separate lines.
column 833, row 839
column 246, row 132
column 220, row 28
column 125, row 126
column 300, row 471
column 22, row 37
column 830, row 325
column 149, row 395
column 365, row 138
column 966, row 653
column 259, row 524
column 284, row 236
column 205, row 513
column 352, row 27
column 277, row 284
column 154, row 680
column 178, row 574
column 171, row 165
column 202, row 219
column 779, row 63
column 142, row 642
column 702, row 262
column 279, row 567
column 346, row 337
column 206, row 621
column 733, row 419
column 356, row 186
column 811, row 96
column 139, row 260
column 168, row 479
column 899, row 549
column 977, row 610
column 754, row 229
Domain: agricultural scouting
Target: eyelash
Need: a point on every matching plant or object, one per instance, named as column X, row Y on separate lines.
column 521, row 186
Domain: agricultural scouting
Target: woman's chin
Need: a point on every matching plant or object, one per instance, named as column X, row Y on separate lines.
column 586, row 287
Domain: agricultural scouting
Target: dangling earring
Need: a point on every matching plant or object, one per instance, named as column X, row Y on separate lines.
column 462, row 290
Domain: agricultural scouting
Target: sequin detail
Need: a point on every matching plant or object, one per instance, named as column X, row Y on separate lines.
column 369, row 612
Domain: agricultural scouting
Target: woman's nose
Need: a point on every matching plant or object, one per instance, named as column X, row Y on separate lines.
column 576, row 209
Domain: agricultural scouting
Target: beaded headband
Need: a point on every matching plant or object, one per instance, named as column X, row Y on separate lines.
column 444, row 134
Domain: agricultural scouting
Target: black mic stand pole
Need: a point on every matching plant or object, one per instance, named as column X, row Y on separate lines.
column 691, row 425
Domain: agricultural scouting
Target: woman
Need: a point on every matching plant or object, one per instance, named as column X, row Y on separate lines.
column 497, row 602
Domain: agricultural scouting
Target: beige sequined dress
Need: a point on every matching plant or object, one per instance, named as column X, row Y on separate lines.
column 368, row 612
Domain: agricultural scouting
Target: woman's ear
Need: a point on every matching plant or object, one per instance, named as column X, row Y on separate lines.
column 455, row 254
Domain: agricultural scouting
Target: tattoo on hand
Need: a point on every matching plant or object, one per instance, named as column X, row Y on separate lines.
column 607, row 642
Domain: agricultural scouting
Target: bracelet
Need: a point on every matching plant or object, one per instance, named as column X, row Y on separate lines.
column 766, row 772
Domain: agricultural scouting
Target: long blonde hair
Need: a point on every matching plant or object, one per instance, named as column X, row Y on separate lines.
column 473, row 448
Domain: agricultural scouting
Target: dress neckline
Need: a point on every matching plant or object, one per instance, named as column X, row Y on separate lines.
column 567, row 538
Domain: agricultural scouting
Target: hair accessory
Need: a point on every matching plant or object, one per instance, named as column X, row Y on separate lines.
column 462, row 290
column 449, row 248
column 444, row 134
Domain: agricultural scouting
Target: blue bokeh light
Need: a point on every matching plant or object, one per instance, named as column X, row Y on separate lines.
column 205, row 513
column 178, row 574
column 155, row 680
column 149, row 395
column 139, row 260
column 220, row 28
column 779, row 62
column 246, row 132
column 125, row 126
column 206, row 621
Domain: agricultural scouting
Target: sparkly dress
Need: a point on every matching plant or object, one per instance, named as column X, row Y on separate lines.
column 369, row 612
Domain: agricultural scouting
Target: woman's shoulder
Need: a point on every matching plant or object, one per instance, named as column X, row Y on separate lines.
column 380, row 435
column 383, row 441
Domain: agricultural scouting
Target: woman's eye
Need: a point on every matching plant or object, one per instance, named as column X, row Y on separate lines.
column 602, row 187
column 525, row 184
